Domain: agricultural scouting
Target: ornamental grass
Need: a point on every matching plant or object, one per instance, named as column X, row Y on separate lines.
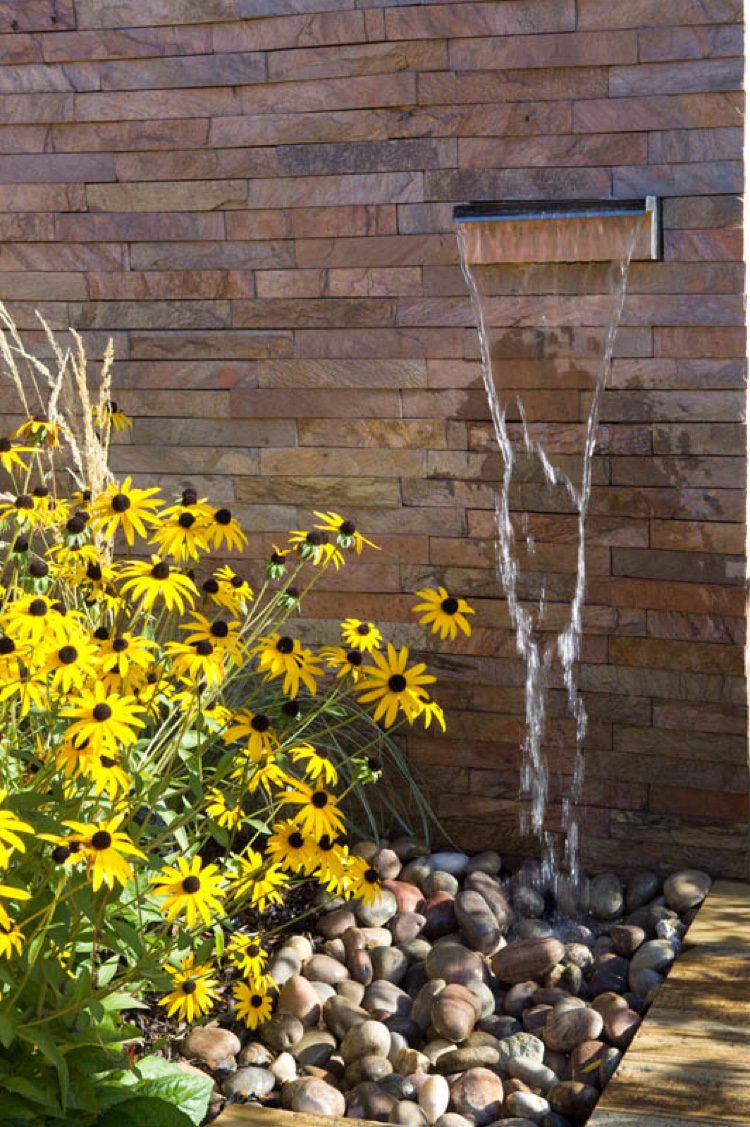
column 174, row 758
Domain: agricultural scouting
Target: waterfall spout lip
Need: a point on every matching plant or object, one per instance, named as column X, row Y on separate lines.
column 499, row 210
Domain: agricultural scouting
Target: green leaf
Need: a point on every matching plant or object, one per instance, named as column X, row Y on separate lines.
column 156, row 1078
column 8, row 1023
column 119, row 1000
column 42, row 1040
column 144, row 1111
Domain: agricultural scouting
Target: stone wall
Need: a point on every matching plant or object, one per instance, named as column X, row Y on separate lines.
column 254, row 198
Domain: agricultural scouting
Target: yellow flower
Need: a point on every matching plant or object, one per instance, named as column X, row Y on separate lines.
column 314, row 547
column 363, row 881
column 198, row 662
column 10, row 827
column 345, row 532
column 318, row 813
column 256, row 728
column 315, row 764
column 223, row 635
column 106, row 773
column 252, row 1004
column 71, row 665
column 151, row 581
column 445, row 614
column 227, row 816
column 7, row 892
column 194, row 990
column 333, row 865
column 189, row 503
column 40, row 431
column 426, row 708
column 34, row 619
column 10, row 455
column 124, row 506
column 123, row 654
column 182, row 536
column 248, row 954
column 394, row 685
column 360, row 635
column 227, row 589
column 258, row 885
column 282, row 656
column 104, row 845
column 191, row 888
column 103, row 719
column 348, row 663
column 11, row 939
column 287, row 846
column 224, row 529
column 111, row 413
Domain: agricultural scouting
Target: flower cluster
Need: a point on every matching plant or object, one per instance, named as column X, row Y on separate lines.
column 169, row 741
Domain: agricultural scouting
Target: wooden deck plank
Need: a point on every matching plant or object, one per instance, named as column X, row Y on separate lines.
column 688, row 1065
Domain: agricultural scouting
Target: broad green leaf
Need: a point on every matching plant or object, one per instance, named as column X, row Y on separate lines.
column 119, row 1000
column 144, row 1111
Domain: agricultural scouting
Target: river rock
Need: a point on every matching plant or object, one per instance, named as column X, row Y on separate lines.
column 450, row 862
column 523, row 1046
column 469, row 1056
column 528, row 902
column 408, row 1114
column 452, row 1119
column 284, row 1068
column 339, row 1015
column 379, row 912
column 367, row 1068
column 641, row 889
column 416, row 950
column 369, row 1101
column 421, row 1008
column 573, row 1099
column 519, row 997
column 453, row 962
column 527, row 959
column 387, row 863
column 440, row 916
column 409, row 897
column 533, row 1073
column 439, row 881
column 433, row 1097
column 498, row 902
column 323, row 968
column 332, row 925
column 455, row 1012
column 484, row 996
column 566, row 1028
column 351, row 990
column 535, row 1018
column 406, row 926
column 627, row 938
column 606, row 896
column 608, row 1066
column 383, row 997
column 620, row 1026
column 416, row 871
column 610, row 974
column 528, row 1107
column 312, row 1096
column 585, row 1060
column 315, row 1047
column 644, row 981
column 281, row 1032
column 359, row 965
column 211, row 1044
column 389, row 963
column 499, row 1025
column 284, row 964
column 249, row 1081
column 478, row 1094
column 476, row 921
column 686, row 889
column 369, row 1038
column 488, row 862
column 533, row 929
column 656, row 954
column 298, row 998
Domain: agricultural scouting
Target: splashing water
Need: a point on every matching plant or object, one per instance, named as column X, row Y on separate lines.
column 549, row 658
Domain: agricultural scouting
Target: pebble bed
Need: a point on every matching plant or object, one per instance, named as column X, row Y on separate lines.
column 461, row 999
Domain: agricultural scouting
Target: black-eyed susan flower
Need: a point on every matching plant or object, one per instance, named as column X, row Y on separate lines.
column 71, row 665
column 104, row 845
column 318, row 813
column 35, row 619
column 223, row 635
column 253, row 1004
column 229, row 590
column 363, row 881
column 110, row 413
column 224, row 529
column 315, row 548
column 11, row 826
column 10, row 455
column 359, row 635
column 315, row 763
column 345, row 532
column 190, row 502
column 199, row 662
column 106, row 773
column 125, row 507
column 248, row 954
column 427, row 709
column 8, row 892
column 394, row 685
column 257, row 883
column 181, row 536
column 227, row 815
column 11, row 940
column 281, row 656
column 445, row 614
column 289, row 847
column 157, row 580
column 194, row 990
column 103, row 719
column 276, row 562
column 347, row 663
column 39, row 430
column 332, row 864
column 28, row 688
column 264, row 773
column 256, row 728
column 191, row 888
column 120, row 654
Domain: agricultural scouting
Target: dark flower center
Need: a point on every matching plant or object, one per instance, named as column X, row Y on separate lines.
column 86, row 495
column 60, row 853
column 37, row 608
column 119, row 645
column 276, row 558
column 120, row 503
column 316, row 537
column 449, row 606
column 371, row 876
column 256, row 1001
column 204, row 648
column 101, row 840
column 223, row 516
column 296, row 840
column 191, row 885
column 319, row 799
column 260, row 723
column 5, row 445
column 107, row 761
column 24, row 502
column 41, row 491
column 101, row 712
column 211, row 586
column 67, row 655
column 94, row 572
column 41, row 418
column 285, row 645
column 76, row 524
column 354, row 657
column 7, row 645
column 186, row 520
column 253, row 951
column 290, row 708
column 325, row 843
column 38, row 568
column 160, row 571
column 101, row 633
column 189, row 987
column 219, row 629
column 237, row 581
column 397, row 683
column 363, row 629
column 374, row 762
column 189, row 496
column 73, row 845
column 21, row 544
column 348, row 527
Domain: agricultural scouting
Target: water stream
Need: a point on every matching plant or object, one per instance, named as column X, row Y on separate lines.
column 579, row 359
